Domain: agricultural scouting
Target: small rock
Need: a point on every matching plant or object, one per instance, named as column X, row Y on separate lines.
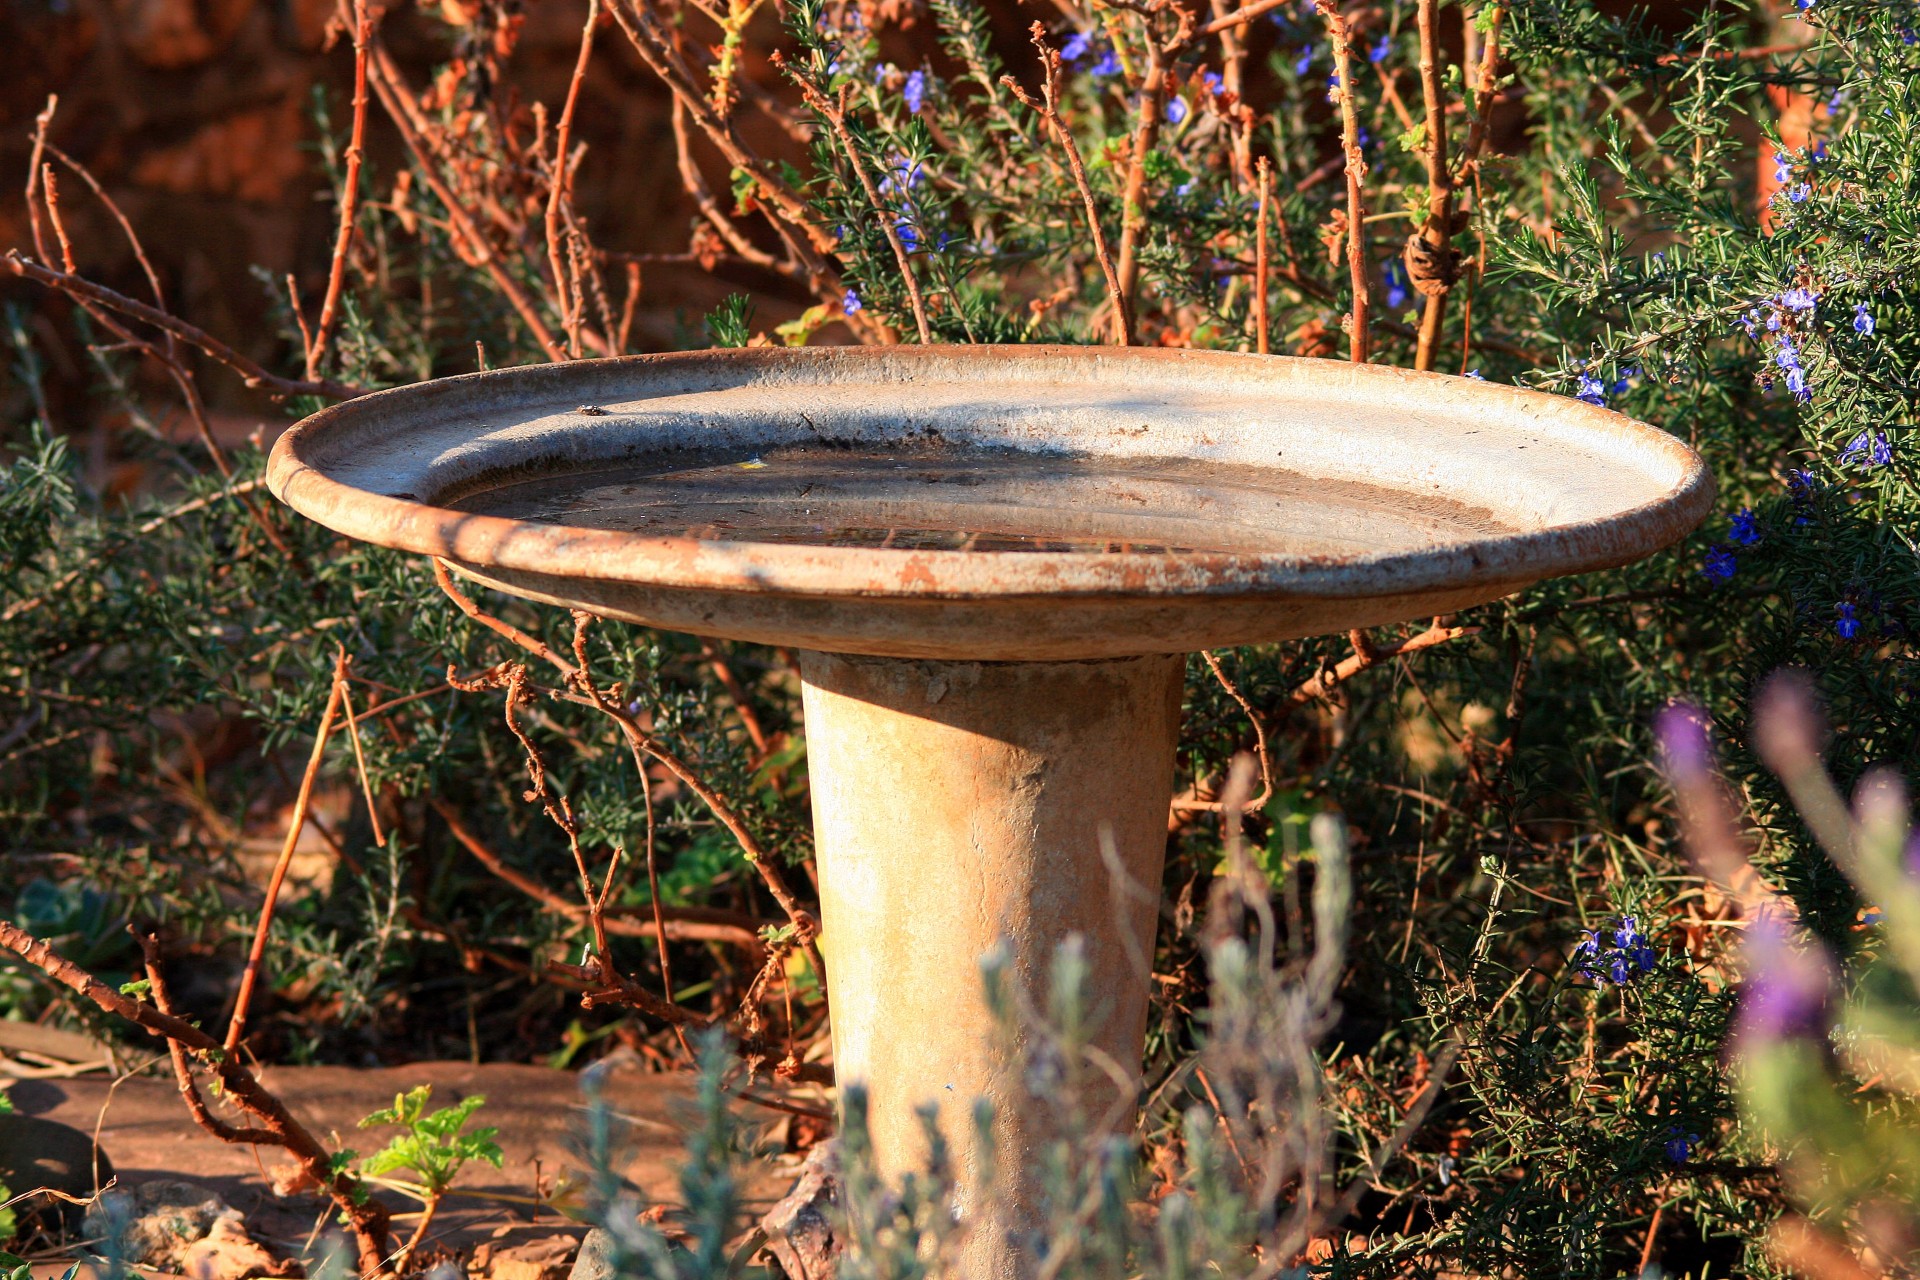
column 799, row 1228
column 544, row 1259
column 159, row 1221
column 36, row 1153
column 595, row 1259
column 227, row 1252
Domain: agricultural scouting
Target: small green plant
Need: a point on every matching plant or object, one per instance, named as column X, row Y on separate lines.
column 433, row 1146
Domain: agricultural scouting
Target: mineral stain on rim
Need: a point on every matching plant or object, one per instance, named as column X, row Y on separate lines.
column 993, row 502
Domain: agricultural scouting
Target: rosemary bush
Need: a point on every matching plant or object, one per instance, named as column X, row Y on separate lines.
column 1705, row 217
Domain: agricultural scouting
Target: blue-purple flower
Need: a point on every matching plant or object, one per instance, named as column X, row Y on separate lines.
column 1109, row 65
column 1786, row 988
column 1399, row 288
column 1591, row 390
column 1077, row 47
column 1304, row 63
column 850, row 303
column 1719, row 566
column 1680, row 1144
column 1862, row 320
column 1620, row 961
column 1746, row 528
column 1867, row 450
column 1381, row 48
column 915, row 91
column 1176, row 109
column 1846, row 622
column 1216, row 83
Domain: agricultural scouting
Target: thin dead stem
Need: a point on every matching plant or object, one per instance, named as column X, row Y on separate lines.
column 359, row 18
column 1429, row 254
column 559, row 187
column 836, row 116
column 1048, row 107
column 256, row 954
column 1358, row 269
column 365, row 1216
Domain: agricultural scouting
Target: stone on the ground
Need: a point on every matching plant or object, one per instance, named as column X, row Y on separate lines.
column 800, row 1229
column 595, row 1259
column 37, row 1153
column 227, row 1252
column 543, row 1259
column 159, row 1221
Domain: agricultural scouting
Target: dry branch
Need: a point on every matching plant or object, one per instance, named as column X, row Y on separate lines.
column 1430, row 257
column 360, row 19
column 80, row 288
column 1049, row 111
column 256, row 954
column 366, row 1217
column 1358, row 269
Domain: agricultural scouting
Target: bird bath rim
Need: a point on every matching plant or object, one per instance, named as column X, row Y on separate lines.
column 1629, row 489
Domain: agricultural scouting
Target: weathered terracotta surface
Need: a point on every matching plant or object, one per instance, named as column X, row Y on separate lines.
column 1008, row 705
column 960, row 805
column 1580, row 487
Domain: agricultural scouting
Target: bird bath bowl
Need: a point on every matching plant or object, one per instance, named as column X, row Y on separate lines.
column 992, row 561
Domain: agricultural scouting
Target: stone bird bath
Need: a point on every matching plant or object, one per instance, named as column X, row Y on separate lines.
column 992, row 561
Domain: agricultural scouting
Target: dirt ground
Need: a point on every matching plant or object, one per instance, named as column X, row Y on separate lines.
column 144, row 1130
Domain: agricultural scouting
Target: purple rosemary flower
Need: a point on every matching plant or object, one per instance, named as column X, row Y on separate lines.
column 1686, row 752
column 1109, row 65
column 1862, row 320
column 1077, row 47
column 1680, row 1144
column 1845, row 622
column 851, row 304
column 1628, row 956
column 1476, row 375
column 1381, row 48
column 1591, row 390
column 1216, row 83
column 1719, row 566
column 1798, row 300
column 1176, row 110
column 915, row 91
column 1746, row 528
column 1785, row 992
column 1399, row 288
column 909, row 235
column 1799, row 192
column 1867, row 450
column 903, row 176
column 1304, row 63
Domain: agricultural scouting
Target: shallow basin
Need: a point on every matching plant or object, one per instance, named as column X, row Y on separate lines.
column 866, row 500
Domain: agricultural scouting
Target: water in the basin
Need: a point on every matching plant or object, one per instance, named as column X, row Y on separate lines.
column 985, row 500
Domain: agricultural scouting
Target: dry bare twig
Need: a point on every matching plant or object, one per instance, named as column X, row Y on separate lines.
column 250, row 976
column 366, row 1217
column 1048, row 107
column 1358, row 269
column 358, row 16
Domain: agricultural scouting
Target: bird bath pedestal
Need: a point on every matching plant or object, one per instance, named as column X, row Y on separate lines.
column 992, row 561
